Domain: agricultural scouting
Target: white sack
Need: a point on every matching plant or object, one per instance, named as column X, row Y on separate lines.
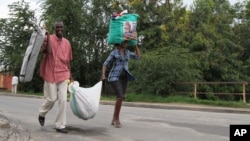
column 84, row 102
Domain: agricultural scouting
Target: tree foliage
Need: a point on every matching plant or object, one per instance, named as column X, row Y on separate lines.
column 207, row 42
column 15, row 34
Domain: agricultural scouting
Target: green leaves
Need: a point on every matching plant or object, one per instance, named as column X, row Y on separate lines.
column 15, row 34
column 159, row 71
column 209, row 42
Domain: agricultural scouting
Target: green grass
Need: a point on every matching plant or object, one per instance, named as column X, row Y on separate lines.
column 131, row 97
column 180, row 99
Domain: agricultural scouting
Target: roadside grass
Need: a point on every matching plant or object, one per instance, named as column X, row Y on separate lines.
column 131, row 97
column 180, row 99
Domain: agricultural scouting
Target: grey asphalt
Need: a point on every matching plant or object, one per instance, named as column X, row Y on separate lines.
column 179, row 106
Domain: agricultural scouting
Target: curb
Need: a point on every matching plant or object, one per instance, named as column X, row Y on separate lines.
column 169, row 106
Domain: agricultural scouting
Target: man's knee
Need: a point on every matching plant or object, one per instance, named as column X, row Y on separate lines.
column 51, row 101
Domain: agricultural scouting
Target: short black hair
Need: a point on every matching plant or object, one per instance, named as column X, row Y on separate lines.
column 57, row 21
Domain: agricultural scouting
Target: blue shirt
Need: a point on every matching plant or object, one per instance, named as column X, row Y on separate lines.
column 119, row 63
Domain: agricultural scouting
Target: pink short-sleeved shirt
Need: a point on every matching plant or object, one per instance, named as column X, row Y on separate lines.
column 54, row 67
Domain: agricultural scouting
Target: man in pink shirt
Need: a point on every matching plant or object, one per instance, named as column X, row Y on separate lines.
column 55, row 70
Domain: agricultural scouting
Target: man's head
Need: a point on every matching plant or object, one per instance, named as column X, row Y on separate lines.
column 58, row 28
column 124, row 44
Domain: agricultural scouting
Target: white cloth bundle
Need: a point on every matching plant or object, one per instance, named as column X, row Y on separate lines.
column 84, row 102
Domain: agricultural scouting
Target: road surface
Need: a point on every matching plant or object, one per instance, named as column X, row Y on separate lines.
column 139, row 124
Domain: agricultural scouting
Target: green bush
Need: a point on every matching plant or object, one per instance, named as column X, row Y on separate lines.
column 160, row 72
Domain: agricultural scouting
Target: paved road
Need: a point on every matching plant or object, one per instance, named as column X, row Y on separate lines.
column 139, row 124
